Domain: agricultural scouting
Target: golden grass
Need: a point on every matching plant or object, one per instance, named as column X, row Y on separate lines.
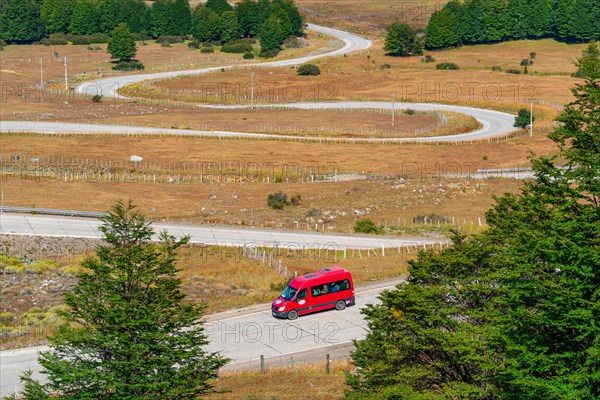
column 304, row 382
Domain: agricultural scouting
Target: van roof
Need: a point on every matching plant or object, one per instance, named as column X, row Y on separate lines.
column 324, row 272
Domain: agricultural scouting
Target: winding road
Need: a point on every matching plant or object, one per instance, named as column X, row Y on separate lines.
column 236, row 336
column 494, row 124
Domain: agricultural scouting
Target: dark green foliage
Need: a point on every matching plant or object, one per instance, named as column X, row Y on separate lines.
column 21, row 22
column 237, row 47
column 128, row 66
column 510, row 313
column 218, row 6
column 84, row 20
column 271, row 34
column 523, row 118
column 513, row 71
column 193, row 44
column 292, row 43
column 170, row 17
column 401, row 40
column 205, row 24
column 129, row 331
column 269, row 53
column 57, row 14
column 277, row 200
column 55, row 39
column 229, row 28
column 89, row 39
column 121, row 44
column 428, row 59
column 2, row 44
column 488, row 21
column 206, row 50
column 96, row 98
column 366, row 226
column 447, row 66
column 113, row 12
column 248, row 56
column 589, row 63
column 309, row 70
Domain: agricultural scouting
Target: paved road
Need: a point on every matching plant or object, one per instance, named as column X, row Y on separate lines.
column 244, row 337
column 494, row 123
column 108, row 87
column 36, row 225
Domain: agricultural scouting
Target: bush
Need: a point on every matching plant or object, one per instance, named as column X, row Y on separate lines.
column 207, row 50
column 427, row 59
column 56, row 39
column 165, row 44
column 496, row 68
column 94, row 48
column 385, row 66
column 80, row 39
column 193, row 44
column 248, row 40
column 309, row 69
column 216, row 43
column 409, row 111
column 532, row 55
column 269, row 53
column 292, row 43
column 366, row 226
column 128, row 66
column 431, row 218
column 447, row 66
column 141, row 36
column 277, row 200
column 96, row 98
column 170, row 39
column 526, row 61
column 295, row 200
column 207, row 44
column 2, row 44
column 239, row 47
column 248, row 56
column 98, row 38
column 513, row 71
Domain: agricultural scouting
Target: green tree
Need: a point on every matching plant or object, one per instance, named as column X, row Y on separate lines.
column 21, row 22
column 122, row 44
column 229, row 28
column 84, row 20
column 443, row 30
column 218, row 6
column 181, row 14
column 57, row 14
column 205, row 24
column 509, row 313
column 401, row 40
column 129, row 333
column 271, row 34
column 248, row 15
column 523, row 118
column 494, row 20
column 293, row 14
column 589, row 63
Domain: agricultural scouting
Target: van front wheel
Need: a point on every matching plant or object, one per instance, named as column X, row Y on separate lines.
column 340, row 305
column 293, row 314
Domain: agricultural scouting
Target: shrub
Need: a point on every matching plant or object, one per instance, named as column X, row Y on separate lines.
column 277, row 200
column 56, row 39
column 165, row 44
column 248, row 40
column 431, row 218
column 96, row 98
column 80, row 39
column 523, row 118
column 93, row 48
column 447, row 66
column 269, row 53
column 513, row 71
column 496, row 68
column 216, row 43
column 239, row 47
column 295, row 200
column 207, row 44
column 98, row 38
column 128, row 66
column 292, row 43
column 207, row 50
column 193, row 44
column 2, row 44
column 141, row 36
column 532, row 55
column 366, row 226
column 385, row 66
column 248, row 56
column 309, row 69
column 409, row 111
column 170, row 39
column 427, row 59
column 525, row 62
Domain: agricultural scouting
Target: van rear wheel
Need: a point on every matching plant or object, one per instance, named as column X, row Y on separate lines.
column 340, row 305
column 293, row 314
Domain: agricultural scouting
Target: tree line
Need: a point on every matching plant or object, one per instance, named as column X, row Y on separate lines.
column 489, row 21
column 27, row 21
column 510, row 313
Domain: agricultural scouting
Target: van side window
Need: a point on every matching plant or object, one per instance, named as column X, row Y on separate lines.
column 344, row 285
column 302, row 294
column 320, row 290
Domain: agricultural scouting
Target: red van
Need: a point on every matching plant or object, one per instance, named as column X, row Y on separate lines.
column 326, row 288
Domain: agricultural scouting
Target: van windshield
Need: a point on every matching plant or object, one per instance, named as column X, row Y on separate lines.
column 289, row 293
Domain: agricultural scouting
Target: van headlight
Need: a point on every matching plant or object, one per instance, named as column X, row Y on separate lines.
column 281, row 308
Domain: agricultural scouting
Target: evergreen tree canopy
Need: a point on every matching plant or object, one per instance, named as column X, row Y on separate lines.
column 218, row 6
column 510, row 313
column 271, row 34
column 205, row 24
column 401, row 40
column 129, row 333
column 229, row 29
column 21, row 22
column 57, row 14
column 122, row 44
column 84, row 20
